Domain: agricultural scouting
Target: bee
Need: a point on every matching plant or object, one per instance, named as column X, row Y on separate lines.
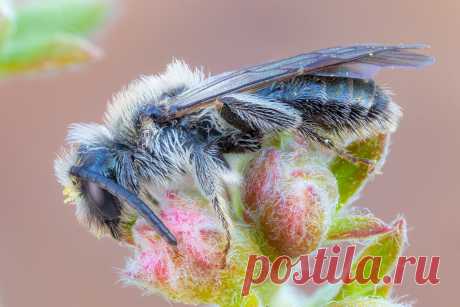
column 165, row 128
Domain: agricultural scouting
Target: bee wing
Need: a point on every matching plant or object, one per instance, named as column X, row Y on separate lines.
column 368, row 66
column 357, row 61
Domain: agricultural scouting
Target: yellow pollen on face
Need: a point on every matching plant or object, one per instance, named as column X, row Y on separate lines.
column 70, row 194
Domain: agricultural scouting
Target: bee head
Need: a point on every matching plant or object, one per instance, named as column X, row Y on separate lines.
column 90, row 176
column 96, row 207
column 92, row 164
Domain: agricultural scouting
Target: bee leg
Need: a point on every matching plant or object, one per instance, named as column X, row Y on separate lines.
column 256, row 113
column 209, row 165
column 312, row 135
column 239, row 142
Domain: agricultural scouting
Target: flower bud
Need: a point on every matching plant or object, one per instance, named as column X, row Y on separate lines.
column 200, row 269
column 289, row 199
column 262, row 176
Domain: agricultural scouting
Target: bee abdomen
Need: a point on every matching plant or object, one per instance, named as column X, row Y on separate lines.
column 340, row 105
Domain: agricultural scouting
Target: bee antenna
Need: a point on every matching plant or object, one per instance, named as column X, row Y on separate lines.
column 130, row 198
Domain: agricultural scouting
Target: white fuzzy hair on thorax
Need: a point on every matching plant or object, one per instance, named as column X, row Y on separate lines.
column 148, row 90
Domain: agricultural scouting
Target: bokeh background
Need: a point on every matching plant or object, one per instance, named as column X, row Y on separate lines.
column 47, row 259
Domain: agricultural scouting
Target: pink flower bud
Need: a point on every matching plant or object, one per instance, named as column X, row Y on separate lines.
column 289, row 199
column 262, row 175
column 200, row 270
column 294, row 221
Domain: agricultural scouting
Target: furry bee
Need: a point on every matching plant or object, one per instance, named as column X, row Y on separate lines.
column 164, row 128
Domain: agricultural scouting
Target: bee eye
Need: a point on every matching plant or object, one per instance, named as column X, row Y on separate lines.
column 105, row 203
column 104, row 197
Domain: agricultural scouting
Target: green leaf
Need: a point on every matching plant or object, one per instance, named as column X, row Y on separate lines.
column 51, row 17
column 251, row 301
column 387, row 246
column 356, row 227
column 46, row 54
column 50, row 35
column 382, row 291
column 351, row 177
column 6, row 21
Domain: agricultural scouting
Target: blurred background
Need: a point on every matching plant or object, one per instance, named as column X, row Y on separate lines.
column 47, row 259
